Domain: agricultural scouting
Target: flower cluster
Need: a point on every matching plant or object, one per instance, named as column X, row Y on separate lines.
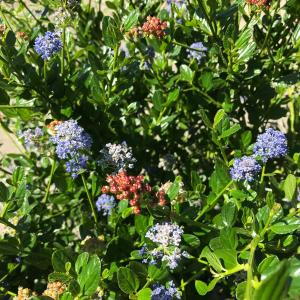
column 105, row 203
column 165, row 234
column 54, row 289
column 71, row 142
column 22, row 35
column 168, row 292
column 117, row 156
column 271, row 144
column 153, row 27
column 127, row 187
column 48, row 44
column 265, row 3
column 24, row 294
column 31, row 136
column 177, row 3
column 245, row 168
column 168, row 238
column 197, row 51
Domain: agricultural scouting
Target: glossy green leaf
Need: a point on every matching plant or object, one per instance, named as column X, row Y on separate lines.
column 128, row 281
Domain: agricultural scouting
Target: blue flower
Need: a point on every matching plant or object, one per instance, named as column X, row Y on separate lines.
column 245, row 168
column 105, row 203
column 73, row 166
column 271, row 144
column 70, row 138
column 71, row 143
column 48, row 44
column 177, row 3
column 198, row 53
column 168, row 292
column 31, row 136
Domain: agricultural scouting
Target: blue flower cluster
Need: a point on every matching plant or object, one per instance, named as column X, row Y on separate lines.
column 271, row 144
column 169, row 292
column 31, row 136
column 177, row 3
column 198, row 53
column 167, row 236
column 48, row 44
column 245, row 168
column 71, row 143
column 105, row 203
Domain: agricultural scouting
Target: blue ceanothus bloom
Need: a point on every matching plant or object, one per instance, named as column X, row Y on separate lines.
column 72, row 142
column 169, row 292
column 271, row 144
column 245, row 168
column 48, row 44
column 197, row 54
column 105, row 203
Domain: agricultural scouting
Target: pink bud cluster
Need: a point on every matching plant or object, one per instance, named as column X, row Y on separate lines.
column 131, row 188
column 153, row 27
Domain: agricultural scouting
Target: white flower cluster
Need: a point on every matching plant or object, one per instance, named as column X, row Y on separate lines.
column 117, row 156
column 168, row 238
column 165, row 234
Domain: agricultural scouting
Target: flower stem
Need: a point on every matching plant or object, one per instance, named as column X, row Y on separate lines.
column 53, row 166
column 262, row 174
column 63, row 51
column 212, row 204
column 89, row 199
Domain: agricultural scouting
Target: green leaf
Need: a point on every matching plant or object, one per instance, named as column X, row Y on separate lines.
column 205, row 118
column 139, row 269
column 4, row 193
column 284, row 228
column 201, row 287
column 57, row 276
column 144, row 294
column 219, row 178
column 128, row 281
column 8, row 248
column 274, row 286
column 240, row 290
column 59, row 260
column 131, row 20
column 232, row 130
column 88, row 269
column 229, row 257
column 186, row 74
column 156, row 273
column 218, row 117
column 66, row 296
column 18, row 175
column 212, row 259
column 191, row 240
column 290, row 186
column 228, row 214
column 126, row 212
column 10, row 39
column 267, row 264
column 174, row 188
column 141, row 223
column 173, row 96
column 111, row 33
column 246, row 138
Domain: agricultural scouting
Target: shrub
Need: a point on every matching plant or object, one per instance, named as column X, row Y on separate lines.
column 160, row 155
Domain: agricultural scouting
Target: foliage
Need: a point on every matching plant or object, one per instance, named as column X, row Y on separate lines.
column 189, row 90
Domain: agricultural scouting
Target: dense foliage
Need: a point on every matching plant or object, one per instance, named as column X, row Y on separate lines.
column 160, row 155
